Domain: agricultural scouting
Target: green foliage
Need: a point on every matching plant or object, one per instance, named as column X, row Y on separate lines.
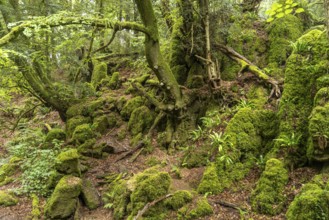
column 279, row 10
column 37, row 163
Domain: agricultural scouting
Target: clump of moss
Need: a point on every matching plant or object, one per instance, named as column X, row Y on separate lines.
column 130, row 106
column 82, row 133
column 72, row 123
column 201, row 209
column 115, row 81
column 63, row 201
column 6, row 199
column 99, row 73
column 8, row 169
column 90, row 195
column 140, row 120
column 68, row 162
column 311, row 203
column 197, row 156
column 57, row 134
column 100, row 124
column 210, row 182
column 178, row 200
column 35, row 213
column 268, row 197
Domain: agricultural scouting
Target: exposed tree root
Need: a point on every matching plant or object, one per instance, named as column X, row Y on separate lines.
column 248, row 65
column 140, row 145
column 229, row 205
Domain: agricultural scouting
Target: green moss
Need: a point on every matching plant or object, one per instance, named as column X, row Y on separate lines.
column 100, row 124
column 201, row 209
column 72, row 123
column 8, row 169
column 258, row 96
column 178, row 200
column 68, row 162
column 311, row 203
column 99, row 73
column 35, row 213
column 55, row 133
column 90, row 195
column 322, row 97
column 7, row 199
column 140, row 120
column 82, row 133
column 268, row 197
column 130, row 106
column 282, row 32
column 210, row 182
column 63, row 202
column 322, row 82
column 197, row 156
column 148, row 186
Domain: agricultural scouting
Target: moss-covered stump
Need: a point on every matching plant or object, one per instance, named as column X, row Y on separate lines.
column 130, row 106
column 210, row 182
column 57, row 134
column 178, row 200
column 82, row 133
column 282, row 32
column 63, row 202
column 200, row 209
column 99, row 73
column 140, row 120
column 68, row 162
column 90, row 195
column 311, row 203
column 7, row 199
column 268, row 197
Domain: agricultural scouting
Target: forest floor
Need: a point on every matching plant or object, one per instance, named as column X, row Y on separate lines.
column 232, row 203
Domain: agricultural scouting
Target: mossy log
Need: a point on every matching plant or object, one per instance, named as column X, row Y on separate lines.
column 248, row 65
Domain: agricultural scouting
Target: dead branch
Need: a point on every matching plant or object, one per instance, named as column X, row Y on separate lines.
column 149, row 205
column 229, row 205
column 131, row 152
column 248, row 65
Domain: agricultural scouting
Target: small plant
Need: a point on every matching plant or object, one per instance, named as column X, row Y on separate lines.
column 243, row 103
column 218, row 140
column 289, row 141
column 300, row 47
column 196, row 134
column 176, row 170
column 210, row 122
column 279, row 10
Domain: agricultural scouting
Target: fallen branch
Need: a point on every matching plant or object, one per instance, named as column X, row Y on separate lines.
column 149, row 205
column 248, row 65
column 229, row 205
column 131, row 152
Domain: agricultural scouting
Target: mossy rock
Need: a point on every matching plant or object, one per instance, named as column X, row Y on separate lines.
column 90, row 195
column 113, row 120
column 100, row 124
column 140, row 120
column 8, row 169
column 178, row 200
column 74, row 122
column 268, row 197
column 7, row 199
column 91, row 149
column 82, row 133
column 322, row 97
column 86, row 108
column 197, row 156
column 130, row 106
column 311, row 203
column 68, row 162
column 114, row 83
column 55, row 133
column 210, row 182
column 99, row 73
column 63, row 202
column 201, row 209
column 147, row 187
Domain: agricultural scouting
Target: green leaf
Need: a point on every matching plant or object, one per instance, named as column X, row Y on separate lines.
column 294, row 5
column 279, row 10
column 287, row 6
column 270, row 19
column 288, row 11
column 280, row 15
column 299, row 10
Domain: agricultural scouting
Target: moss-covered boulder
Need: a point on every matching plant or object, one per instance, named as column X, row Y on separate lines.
column 210, row 182
column 82, row 133
column 100, row 124
column 178, row 200
column 311, row 203
column 130, row 106
column 7, row 199
column 99, row 73
column 90, row 195
column 57, row 134
column 268, row 197
column 8, row 169
column 200, row 209
column 140, row 120
column 68, row 162
column 74, row 122
column 63, row 201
